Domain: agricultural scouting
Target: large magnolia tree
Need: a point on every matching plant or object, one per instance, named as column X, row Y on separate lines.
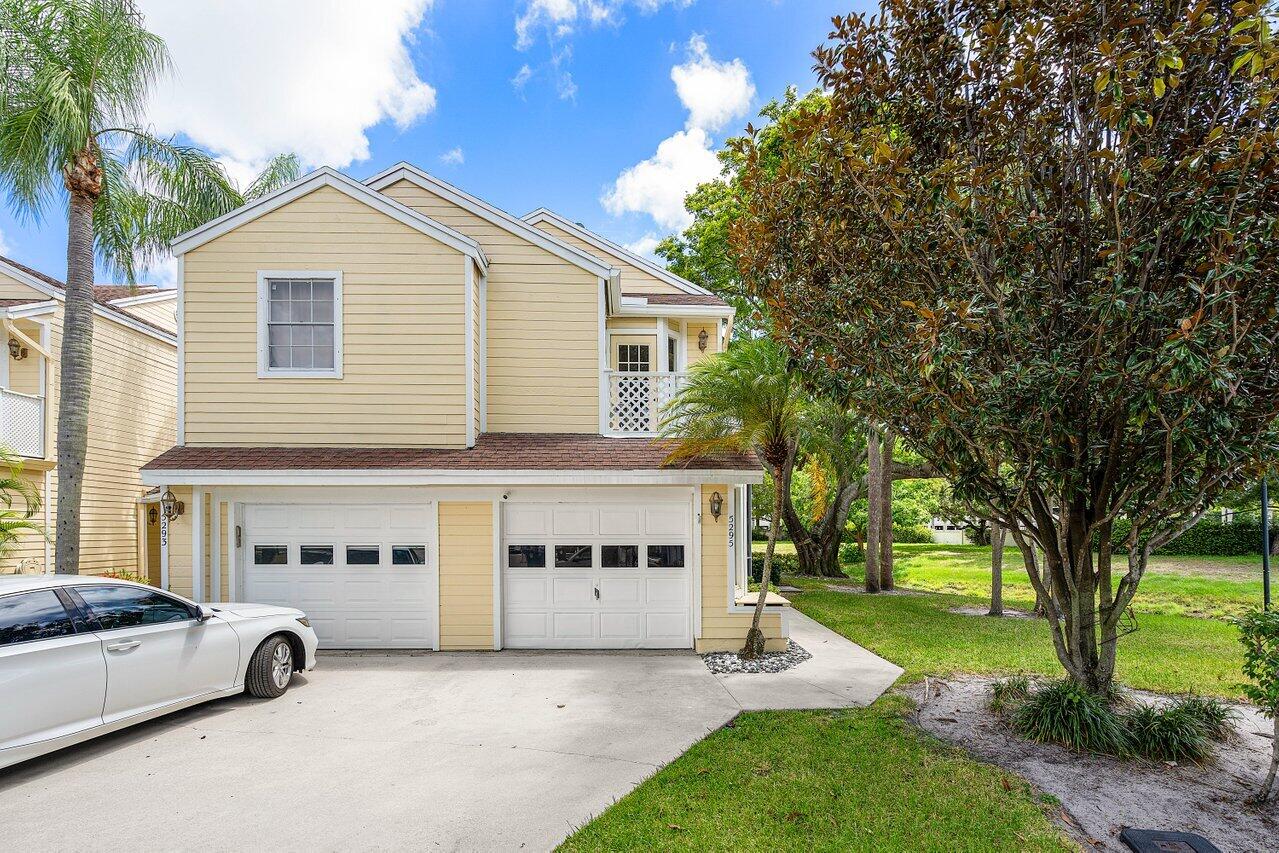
column 1038, row 240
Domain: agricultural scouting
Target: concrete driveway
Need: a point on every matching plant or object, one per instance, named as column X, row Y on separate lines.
column 454, row 751
column 440, row 752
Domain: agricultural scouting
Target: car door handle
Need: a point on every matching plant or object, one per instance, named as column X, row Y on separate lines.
column 123, row 645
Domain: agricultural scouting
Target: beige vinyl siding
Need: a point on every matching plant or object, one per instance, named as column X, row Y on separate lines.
column 132, row 419
column 11, row 288
column 543, row 325
column 402, row 330
column 466, row 575
column 723, row 631
column 692, row 351
column 163, row 313
column 635, row 279
column 180, row 542
column 645, row 323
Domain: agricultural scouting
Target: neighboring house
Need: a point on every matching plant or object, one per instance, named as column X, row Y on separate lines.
column 132, row 414
column 428, row 423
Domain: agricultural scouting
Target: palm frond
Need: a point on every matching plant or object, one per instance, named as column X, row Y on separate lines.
column 283, row 169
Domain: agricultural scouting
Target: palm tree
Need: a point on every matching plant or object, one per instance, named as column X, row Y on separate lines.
column 76, row 78
column 744, row 400
column 14, row 520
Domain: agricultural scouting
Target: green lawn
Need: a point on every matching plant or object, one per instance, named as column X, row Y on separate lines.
column 1171, row 650
column 825, row 780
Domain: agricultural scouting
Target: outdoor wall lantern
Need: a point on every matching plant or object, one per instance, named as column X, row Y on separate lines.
column 717, row 505
column 16, row 350
column 152, row 516
column 703, row 337
column 171, row 506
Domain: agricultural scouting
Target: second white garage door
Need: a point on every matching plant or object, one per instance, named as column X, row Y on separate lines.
column 602, row 576
column 361, row 573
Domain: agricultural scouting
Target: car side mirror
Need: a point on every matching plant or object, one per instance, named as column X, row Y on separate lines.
column 202, row 613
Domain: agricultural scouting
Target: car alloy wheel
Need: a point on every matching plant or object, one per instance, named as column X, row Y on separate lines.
column 282, row 665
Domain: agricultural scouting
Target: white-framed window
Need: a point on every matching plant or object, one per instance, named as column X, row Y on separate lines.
column 300, row 324
column 633, row 358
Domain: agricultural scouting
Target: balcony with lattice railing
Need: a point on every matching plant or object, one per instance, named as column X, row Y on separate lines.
column 22, row 423
column 636, row 400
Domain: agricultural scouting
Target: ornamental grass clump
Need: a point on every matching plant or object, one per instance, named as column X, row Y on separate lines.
column 1008, row 694
column 1214, row 716
column 1173, row 733
column 1064, row 713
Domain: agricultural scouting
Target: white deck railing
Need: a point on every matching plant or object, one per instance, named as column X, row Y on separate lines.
column 22, row 423
column 636, row 400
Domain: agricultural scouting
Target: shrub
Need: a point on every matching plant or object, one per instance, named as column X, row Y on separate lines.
column 1208, row 538
column 916, row 534
column 851, row 552
column 1066, row 714
column 1259, row 633
column 1008, row 694
column 788, row 562
column 1173, row 733
column 1214, row 716
column 125, row 576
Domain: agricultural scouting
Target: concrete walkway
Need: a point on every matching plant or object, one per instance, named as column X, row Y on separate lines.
column 841, row 674
column 458, row 751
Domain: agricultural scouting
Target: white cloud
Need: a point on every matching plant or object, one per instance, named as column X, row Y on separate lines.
column 521, row 77
column 645, row 245
column 5, row 248
column 254, row 79
column 453, row 157
column 714, row 93
column 657, row 186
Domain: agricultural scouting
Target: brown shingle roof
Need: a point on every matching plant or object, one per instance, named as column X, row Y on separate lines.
column 493, row 451
column 679, row 299
column 102, row 293
column 9, row 303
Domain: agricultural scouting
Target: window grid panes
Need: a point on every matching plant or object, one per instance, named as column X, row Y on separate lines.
column 526, row 556
column 316, row 555
column 363, row 555
column 666, row 556
column 619, row 556
column 270, row 555
column 408, row 555
column 633, row 358
column 300, row 327
column 573, row 557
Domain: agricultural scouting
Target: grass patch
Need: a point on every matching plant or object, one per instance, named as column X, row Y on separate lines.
column 1167, row 654
column 860, row 779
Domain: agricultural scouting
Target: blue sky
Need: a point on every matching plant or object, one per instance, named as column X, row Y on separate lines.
column 568, row 104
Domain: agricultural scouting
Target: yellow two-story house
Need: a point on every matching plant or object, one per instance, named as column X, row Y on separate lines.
column 132, row 417
column 430, row 424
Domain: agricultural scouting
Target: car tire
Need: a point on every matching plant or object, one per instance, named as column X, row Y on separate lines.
column 270, row 669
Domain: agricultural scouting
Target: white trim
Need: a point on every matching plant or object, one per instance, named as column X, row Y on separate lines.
column 197, row 544
column 144, row 298
column 48, row 523
column 604, row 355
column 638, row 331
column 498, row 612
column 34, row 309
column 232, row 552
column 542, row 214
column 267, row 372
column 215, row 548
column 404, row 171
column 433, row 581
column 164, row 547
column 484, row 353
column 307, row 184
column 447, row 477
column 696, row 501
column 182, row 350
column 468, row 375
column 710, row 312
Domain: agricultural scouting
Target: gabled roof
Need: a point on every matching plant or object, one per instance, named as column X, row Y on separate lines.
column 542, row 214
column 500, row 218
column 326, row 177
column 104, row 305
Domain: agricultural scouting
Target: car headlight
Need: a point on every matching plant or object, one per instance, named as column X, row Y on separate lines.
column 303, row 621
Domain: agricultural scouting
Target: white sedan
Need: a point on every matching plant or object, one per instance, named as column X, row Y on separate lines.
column 83, row 656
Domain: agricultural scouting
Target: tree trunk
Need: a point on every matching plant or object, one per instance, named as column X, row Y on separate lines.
column 874, row 507
column 996, row 570
column 84, row 181
column 886, row 512
column 1268, row 786
column 754, row 646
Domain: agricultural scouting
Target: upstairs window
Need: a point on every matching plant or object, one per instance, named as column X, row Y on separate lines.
column 300, row 324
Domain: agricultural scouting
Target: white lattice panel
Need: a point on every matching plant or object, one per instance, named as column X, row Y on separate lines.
column 22, row 423
column 636, row 400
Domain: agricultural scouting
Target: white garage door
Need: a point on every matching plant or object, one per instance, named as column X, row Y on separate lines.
column 360, row 573
column 600, row 576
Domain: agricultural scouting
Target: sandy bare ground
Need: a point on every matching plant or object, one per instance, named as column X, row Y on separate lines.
column 1101, row 795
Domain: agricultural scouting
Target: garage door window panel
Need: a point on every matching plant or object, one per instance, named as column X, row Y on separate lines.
column 666, row 556
column 316, row 555
column 363, row 555
column 573, row 557
column 270, row 555
column 526, row 556
column 619, row 556
column 408, row 555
